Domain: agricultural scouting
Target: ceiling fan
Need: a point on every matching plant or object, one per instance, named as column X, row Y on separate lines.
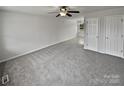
column 65, row 11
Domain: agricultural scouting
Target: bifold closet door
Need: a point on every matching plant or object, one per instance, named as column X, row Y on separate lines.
column 121, row 48
column 120, row 42
column 105, row 34
column 114, row 29
column 123, row 37
column 92, row 33
column 102, row 35
column 108, row 34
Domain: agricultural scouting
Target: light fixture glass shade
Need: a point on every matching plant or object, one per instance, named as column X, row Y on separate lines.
column 63, row 9
column 62, row 13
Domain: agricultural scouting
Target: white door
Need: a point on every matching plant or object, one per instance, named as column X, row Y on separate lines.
column 106, row 35
column 102, row 35
column 92, row 33
column 114, row 42
column 108, row 30
column 123, row 37
column 119, row 39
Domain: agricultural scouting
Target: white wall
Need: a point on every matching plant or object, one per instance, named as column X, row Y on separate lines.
column 23, row 33
column 117, row 11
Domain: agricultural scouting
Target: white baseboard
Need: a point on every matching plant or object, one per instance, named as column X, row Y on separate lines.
column 104, row 53
column 34, row 50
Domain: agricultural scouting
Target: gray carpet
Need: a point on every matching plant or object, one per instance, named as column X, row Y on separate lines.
column 65, row 63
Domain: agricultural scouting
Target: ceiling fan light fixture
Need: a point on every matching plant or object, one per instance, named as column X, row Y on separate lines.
column 63, row 13
column 63, row 9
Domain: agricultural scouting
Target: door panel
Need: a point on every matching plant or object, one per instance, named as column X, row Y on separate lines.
column 120, row 40
column 108, row 29
column 114, row 30
column 92, row 29
column 102, row 35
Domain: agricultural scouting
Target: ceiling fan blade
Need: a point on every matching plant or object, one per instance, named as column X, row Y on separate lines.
column 69, row 15
column 58, row 15
column 73, row 12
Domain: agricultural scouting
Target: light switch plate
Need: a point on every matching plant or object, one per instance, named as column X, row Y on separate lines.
column 5, row 79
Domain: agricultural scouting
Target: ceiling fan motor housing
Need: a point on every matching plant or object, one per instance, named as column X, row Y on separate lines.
column 64, row 10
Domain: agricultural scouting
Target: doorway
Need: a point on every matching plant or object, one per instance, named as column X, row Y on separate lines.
column 80, row 31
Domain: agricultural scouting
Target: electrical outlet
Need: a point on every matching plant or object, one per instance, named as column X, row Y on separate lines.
column 5, row 79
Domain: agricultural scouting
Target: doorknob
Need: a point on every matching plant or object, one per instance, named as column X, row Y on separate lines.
column 121, row 51
column 97, row 36
column 107, row 38
column 121, row 35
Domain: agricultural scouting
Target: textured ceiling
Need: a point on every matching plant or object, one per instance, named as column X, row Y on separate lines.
column 43, row 10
